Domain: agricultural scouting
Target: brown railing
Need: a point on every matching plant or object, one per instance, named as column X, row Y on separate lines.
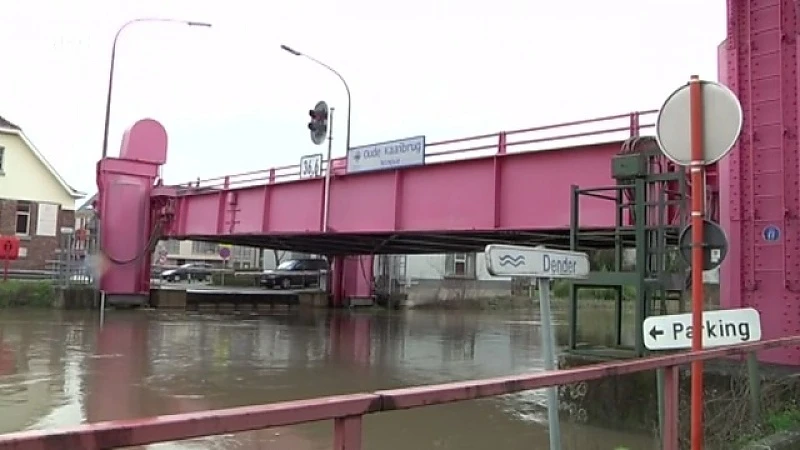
column 347, row 411
column 579, row 132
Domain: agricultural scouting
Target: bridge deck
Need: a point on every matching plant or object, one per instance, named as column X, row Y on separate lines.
column 443, row 206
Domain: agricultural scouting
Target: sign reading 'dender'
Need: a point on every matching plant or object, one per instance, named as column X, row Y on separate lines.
column 540, row 262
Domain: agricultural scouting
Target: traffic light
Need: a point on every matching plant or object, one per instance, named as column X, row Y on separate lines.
column 318, row 120
column 318, row 125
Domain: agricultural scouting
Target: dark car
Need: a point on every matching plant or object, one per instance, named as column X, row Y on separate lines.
column 295, row 273
column 191, row 271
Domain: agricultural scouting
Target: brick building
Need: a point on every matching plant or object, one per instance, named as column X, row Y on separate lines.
column 35, row 201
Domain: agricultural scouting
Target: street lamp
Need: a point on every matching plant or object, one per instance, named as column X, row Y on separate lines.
column 346, row 87
column 114, row 57
column 108, row 113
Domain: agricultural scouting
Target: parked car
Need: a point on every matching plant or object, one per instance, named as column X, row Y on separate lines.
column 295, row 273
column 191, row 271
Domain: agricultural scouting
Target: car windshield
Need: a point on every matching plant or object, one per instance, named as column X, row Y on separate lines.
column 286, row 265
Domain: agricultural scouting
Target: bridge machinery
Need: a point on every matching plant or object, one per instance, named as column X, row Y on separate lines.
column 636, row 261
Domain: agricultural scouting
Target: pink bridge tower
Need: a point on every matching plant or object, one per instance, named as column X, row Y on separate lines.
column 760, row 180
column 128, row 217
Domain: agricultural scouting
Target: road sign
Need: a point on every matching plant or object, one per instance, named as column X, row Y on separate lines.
column 224, row 251
column 311, row 166
column 723, row 327
column 543, row 264
column 771, row 233
column 722, row 118
column 715, row 245
column 540, row 262
column 9, row 248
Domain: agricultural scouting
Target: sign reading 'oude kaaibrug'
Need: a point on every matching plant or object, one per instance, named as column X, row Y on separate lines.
column 387, row 155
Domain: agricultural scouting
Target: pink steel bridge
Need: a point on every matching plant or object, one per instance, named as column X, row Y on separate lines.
column 499, row 196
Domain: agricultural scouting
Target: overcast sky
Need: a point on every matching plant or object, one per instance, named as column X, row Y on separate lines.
column 232, row 101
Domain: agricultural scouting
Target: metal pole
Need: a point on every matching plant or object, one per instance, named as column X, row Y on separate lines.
column 341, row 78
column 327, row 202
column 697, row 168
column 107, row 122
column 548, row 355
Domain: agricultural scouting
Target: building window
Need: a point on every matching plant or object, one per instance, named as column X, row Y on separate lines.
column 460, row 265
column 203, row 248
column 2, row 160
column 23, row 218
column 173, row 246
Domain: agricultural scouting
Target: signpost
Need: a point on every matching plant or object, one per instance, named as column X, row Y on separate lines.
column 697, row 125
column 387, row 155
column 724, row 327
column 225, row 254
column 715, row 245
column 9, row 251
column 311, row 166
column 543, row 264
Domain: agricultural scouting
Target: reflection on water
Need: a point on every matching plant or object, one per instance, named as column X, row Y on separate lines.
column 59, row 368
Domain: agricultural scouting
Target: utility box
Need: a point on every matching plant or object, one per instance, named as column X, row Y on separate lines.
column 628, row 166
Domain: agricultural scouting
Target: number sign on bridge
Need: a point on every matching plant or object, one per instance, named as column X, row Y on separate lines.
column 724, row 327
column 539, row 262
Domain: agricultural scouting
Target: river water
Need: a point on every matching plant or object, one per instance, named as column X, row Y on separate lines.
column 60, row 368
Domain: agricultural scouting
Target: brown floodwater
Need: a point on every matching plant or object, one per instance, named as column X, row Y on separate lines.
column 60, row 368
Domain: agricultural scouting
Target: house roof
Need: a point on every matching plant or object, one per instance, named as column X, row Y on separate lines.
column 88, row 204
column 8, row 127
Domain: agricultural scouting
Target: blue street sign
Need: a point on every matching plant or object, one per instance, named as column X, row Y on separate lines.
column 771, row 233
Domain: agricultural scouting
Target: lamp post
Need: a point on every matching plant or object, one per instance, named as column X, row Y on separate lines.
column 326, row 205
column 114, row 57
column 108, row 113
column 346, row 87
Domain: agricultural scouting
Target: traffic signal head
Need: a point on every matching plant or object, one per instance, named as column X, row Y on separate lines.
column 319, row 119
column 318, row 124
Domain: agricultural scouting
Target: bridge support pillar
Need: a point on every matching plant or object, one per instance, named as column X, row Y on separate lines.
column 124, row 187
column 352, row 280
column 759, row 195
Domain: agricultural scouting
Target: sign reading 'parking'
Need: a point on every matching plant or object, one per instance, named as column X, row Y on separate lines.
column 724, row 327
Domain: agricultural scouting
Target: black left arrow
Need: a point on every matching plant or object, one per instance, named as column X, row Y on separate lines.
column 655, row 332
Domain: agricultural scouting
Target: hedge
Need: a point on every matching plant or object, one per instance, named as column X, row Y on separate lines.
column 31, row 293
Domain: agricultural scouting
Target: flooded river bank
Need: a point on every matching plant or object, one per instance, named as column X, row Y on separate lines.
column 59, row 368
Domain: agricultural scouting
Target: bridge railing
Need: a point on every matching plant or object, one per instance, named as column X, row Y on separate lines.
column 347, row 411
column 560, row 135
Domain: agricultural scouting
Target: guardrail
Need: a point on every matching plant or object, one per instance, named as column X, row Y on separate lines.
column 579, row 132
column 347, row 411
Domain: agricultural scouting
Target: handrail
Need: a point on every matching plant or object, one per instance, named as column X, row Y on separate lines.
column 496, row 143
column 347, row 410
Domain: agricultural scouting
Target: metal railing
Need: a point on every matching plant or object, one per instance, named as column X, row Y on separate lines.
column 347, row 411
column 548, row 137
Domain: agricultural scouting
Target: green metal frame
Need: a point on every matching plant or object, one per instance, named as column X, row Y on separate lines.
column 657, row 272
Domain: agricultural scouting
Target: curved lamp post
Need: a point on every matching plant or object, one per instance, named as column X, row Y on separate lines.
column 346, row 87
column 114, row 57
column 326, row 205
column 108, row 111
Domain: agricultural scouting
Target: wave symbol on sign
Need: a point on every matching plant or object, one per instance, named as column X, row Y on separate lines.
column 514, row 261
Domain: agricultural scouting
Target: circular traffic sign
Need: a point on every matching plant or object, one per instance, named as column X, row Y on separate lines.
column 224, row 252
column 722, row 123
column 715, row 245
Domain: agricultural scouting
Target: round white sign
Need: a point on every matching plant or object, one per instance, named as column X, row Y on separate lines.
column 722, row 120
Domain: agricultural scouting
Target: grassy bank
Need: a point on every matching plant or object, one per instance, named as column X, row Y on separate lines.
column 27, row 293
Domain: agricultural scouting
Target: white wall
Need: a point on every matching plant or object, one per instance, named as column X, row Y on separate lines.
column 432, row 267
column 26, row 178
column 424, row 267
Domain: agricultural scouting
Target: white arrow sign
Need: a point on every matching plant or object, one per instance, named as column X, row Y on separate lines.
column 540, row 262
column 724, row 327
